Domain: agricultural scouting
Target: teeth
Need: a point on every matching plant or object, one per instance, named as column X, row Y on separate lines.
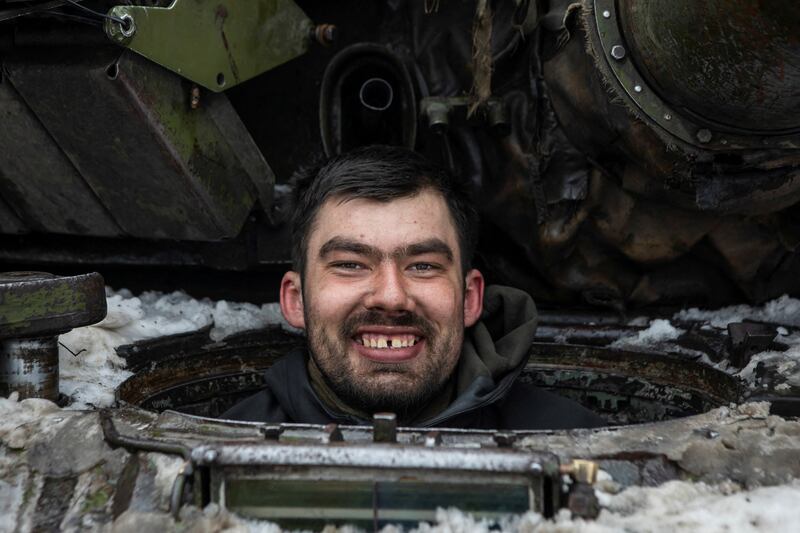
column 385, row 341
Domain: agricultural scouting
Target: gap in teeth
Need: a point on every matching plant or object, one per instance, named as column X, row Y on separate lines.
column 388, row 341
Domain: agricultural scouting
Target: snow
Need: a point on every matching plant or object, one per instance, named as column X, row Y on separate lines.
column 787, row 364
column 784, row 310
column 90, row 370
column 660, row 330
column 673, row 506
column 19, row 420
column 11, row 499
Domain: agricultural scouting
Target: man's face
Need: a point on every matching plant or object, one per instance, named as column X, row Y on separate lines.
column 384, row 301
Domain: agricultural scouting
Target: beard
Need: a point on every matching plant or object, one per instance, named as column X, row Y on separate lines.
column 371, row 386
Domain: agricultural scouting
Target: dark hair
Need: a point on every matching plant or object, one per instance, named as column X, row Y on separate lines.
column 382, row 173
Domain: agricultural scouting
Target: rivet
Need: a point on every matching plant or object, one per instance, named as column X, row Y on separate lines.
column 723, row 141
column 607, row 14
column 667, row 116
column 703, row 135
column 637, row 88
column 618, row 52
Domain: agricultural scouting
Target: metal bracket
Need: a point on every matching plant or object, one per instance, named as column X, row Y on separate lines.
column 217, row 44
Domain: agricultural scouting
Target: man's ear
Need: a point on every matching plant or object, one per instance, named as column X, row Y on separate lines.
column 473, row 297
column 292, row 300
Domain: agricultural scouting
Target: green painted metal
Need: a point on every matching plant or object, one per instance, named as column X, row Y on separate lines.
column 34, row 304
column 217, row 44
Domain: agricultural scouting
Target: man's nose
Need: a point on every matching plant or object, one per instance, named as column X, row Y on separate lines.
column 389, row 290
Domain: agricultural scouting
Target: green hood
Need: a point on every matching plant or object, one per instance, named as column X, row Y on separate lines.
column 495, row 350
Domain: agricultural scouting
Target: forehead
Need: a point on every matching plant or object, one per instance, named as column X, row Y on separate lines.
column 385, row 224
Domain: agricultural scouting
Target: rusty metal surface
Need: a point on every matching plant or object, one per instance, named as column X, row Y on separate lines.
column 731, row 61
column 195, row 375
column 165, row 171
column 747, row 339
column 29, row 367
column 629, row 387
column 37, row 304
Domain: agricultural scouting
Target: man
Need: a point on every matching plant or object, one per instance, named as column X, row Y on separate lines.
column 396, row 320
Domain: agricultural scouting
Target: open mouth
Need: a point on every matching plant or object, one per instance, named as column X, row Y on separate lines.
column 388, row 345
column 380, row 341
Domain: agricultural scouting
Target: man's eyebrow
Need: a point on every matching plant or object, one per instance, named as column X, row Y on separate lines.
column 342, row 244
column 429, row 246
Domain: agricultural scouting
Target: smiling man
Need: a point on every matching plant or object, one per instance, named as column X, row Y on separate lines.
column 396, row 320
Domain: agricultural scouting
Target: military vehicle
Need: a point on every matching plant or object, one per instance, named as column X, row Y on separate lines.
column 629, row 155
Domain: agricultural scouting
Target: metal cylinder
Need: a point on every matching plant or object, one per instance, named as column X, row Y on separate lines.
column 731, row 62
column 29, row 367
column 438, row 117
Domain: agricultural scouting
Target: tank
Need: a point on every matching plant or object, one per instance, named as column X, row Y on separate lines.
column 632, row 158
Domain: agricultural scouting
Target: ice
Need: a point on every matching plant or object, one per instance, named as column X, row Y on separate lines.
column 90, row 370
column 784, row 310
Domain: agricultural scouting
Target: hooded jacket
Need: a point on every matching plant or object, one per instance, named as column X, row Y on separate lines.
column 488, row 393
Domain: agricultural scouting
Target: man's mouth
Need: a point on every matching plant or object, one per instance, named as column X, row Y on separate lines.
column 383, row 345
column 381, row 342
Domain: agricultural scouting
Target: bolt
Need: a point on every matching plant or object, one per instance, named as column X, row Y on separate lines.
column 127, row 26
column 618, row 52
column 723, row 141
column 637, row 88
column 607, row 14
column 194, row 97
column 536, row 468
column 703, row 135
column 667, row 116
column 324, row 34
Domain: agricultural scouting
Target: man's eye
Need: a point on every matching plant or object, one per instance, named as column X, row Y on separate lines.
column 423, row 267
column 348, row 265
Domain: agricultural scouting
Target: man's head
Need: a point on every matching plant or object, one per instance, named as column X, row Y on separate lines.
column 382, row 244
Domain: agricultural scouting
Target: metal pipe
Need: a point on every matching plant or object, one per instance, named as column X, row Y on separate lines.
column 30, row 367
column 376, row 94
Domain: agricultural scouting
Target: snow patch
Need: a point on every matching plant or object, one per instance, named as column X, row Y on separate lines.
column 12, row 491
column 784, row 310
column 787, row 364
column 19, row 420
column 91, row 370
column 660, row 330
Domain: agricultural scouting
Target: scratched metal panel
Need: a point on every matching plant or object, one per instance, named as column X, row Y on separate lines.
column 164, row 170
column 38, row 179
column 9, row 222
